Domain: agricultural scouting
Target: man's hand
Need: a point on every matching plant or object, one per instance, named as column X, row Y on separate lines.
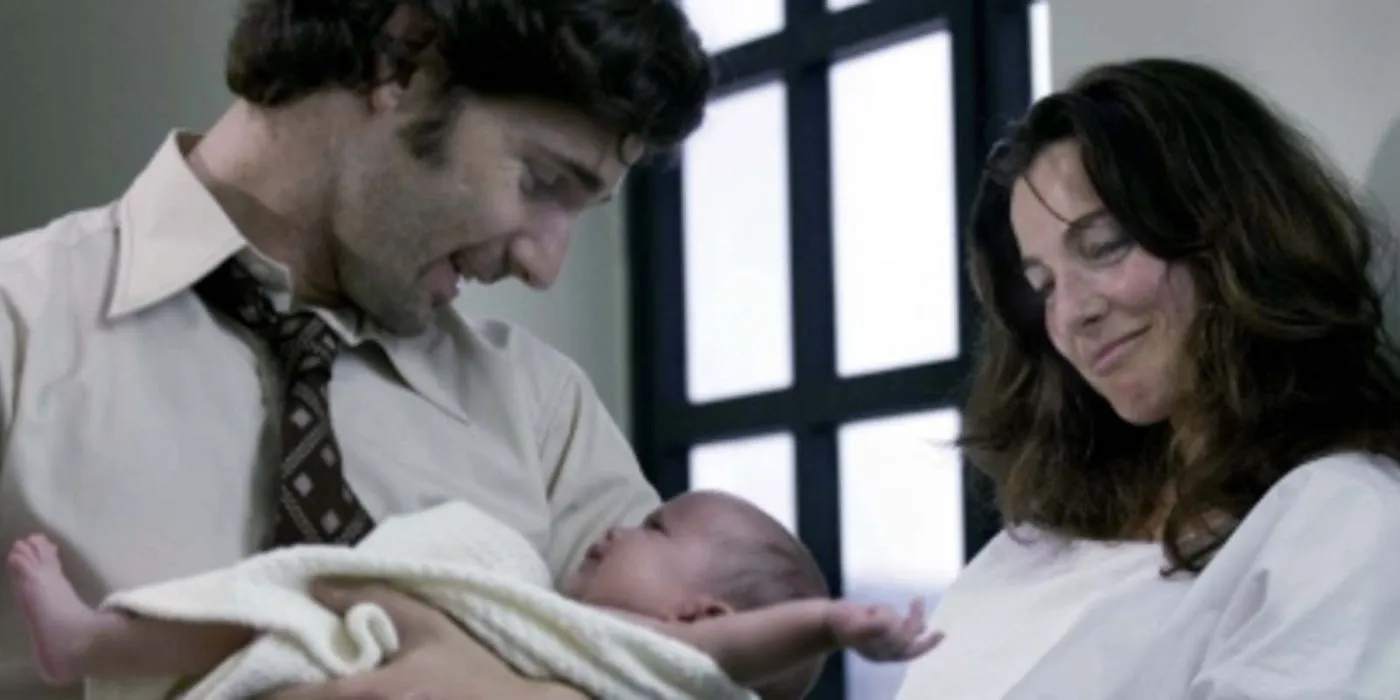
column 879, row 633
column 437, row 660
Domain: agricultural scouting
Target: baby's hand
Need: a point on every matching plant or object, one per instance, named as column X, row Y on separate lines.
column 879, row 633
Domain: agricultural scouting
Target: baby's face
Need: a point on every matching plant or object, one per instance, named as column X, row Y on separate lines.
column 658, row 568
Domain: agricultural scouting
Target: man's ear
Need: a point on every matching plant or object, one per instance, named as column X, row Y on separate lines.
column 703, row 607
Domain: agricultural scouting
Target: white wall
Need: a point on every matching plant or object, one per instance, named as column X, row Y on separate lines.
column 585, row 314
column 1328, row 63
column 91, row 86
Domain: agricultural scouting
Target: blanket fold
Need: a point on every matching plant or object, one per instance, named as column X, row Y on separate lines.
column 475, row 568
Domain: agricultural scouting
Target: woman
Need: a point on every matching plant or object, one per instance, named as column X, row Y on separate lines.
column 1188, row 403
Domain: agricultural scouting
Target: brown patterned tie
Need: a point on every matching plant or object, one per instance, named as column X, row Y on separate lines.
column 314, row 502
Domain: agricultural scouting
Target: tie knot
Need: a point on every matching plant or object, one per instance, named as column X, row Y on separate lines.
column 302, row 340
column 305, row 342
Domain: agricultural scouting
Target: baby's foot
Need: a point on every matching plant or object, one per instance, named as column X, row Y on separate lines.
column 60, row 624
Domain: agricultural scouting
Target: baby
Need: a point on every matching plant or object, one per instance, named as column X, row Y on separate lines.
column 706, row 568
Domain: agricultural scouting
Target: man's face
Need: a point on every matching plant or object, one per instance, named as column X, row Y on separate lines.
column 494, row 193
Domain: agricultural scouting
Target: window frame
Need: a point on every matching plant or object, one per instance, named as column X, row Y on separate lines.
column 991, row 78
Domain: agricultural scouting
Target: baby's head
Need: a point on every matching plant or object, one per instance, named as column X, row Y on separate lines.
column 701, row 554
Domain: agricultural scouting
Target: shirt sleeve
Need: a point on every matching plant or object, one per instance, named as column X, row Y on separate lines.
column 11, row 361
column 594, row 480
column 1318, row 616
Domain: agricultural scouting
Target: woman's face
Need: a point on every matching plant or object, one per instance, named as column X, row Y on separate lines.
column 1118, row 314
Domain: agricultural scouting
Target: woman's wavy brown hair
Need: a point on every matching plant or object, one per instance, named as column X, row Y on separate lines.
column 1287, row 358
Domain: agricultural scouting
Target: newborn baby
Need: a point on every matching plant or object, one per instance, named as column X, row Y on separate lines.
column 706, row 568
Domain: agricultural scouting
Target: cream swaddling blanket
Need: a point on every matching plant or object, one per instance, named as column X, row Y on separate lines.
column 472, row 566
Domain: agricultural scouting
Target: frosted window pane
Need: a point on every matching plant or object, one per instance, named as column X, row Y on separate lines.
column 901, row 521
column 1040, row 49
column 760, row 469
column 737, row 279
column 723, row 24
column 895, row 248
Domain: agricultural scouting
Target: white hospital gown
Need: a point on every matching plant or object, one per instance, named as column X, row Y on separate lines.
column 1303, row 603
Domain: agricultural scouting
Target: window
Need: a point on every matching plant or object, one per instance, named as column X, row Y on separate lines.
column 736, row 248
column 1041, row 81
column 722, row 24
column 901, row 502
column 895, row 252
column 761, row 469
column 801, row 312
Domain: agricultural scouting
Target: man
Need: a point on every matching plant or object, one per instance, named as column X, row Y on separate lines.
column 158, row 419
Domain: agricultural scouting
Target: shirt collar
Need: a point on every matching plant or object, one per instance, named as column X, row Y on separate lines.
column 172, row 232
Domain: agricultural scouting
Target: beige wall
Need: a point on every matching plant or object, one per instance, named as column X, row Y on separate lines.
column 1330, row 63
column 91, row 86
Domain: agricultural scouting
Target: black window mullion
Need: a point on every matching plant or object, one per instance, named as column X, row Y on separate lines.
column 813, row 317
column 1007, row 28
column 817, row 36
column 813, row 299
column 991, row 79
column 799, row 12
column 657, row 300
column 819, row 524
column 810, row 225
column 843, row 400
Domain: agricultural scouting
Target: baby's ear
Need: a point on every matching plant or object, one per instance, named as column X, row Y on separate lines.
column 703, row 607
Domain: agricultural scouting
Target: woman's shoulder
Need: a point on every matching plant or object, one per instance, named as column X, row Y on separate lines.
column 1342, row 497
column 1366, row 477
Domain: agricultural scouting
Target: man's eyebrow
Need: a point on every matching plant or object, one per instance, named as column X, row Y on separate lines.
column 586, row 175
